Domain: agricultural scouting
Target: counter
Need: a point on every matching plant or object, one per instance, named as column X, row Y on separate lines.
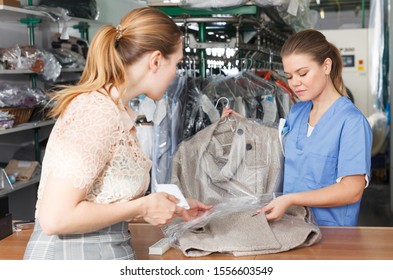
column 338, row 243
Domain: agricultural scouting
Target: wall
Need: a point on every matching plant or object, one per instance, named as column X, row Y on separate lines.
column 342, row 20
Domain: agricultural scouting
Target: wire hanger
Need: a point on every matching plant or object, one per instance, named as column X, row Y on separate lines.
column 226, row 105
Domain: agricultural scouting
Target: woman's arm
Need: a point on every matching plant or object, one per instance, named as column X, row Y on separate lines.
column 63, row 209
column 349, row 190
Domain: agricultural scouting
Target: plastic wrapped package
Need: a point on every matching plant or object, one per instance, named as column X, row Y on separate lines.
column 297, row 14
column 68, row 58
column 31, row 58
column 77, row 8
column 6, row 120
column 12, row 96
column 52, row 67
column 75, row 44
column 235, row 165
column 23, row 58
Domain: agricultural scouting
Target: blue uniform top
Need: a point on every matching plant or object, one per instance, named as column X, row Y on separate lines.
column 340, row 145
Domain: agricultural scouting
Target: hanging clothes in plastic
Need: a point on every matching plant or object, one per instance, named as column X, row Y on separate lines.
column 252, row 96
column 235, row 164
column 229, row 158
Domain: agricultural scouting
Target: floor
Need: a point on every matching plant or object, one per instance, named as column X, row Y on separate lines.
column 375, row 209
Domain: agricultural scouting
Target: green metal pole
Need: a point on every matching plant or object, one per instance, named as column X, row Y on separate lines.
column 31, row 22
column 202, row 52
column 83, row 28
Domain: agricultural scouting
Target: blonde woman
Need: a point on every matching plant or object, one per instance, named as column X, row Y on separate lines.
column 94, row 175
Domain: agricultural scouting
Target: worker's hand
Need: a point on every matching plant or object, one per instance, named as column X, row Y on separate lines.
column 196, row 208
column 276, row 208
column 160, row 208
column 226, row 112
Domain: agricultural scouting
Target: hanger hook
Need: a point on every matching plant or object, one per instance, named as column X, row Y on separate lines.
column 223, row 98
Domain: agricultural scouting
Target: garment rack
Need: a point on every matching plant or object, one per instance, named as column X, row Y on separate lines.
column 246, row 18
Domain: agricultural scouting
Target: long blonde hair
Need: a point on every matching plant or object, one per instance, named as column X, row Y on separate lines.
column 112, row 49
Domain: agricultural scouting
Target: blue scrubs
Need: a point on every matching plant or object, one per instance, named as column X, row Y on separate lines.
column 340, row 145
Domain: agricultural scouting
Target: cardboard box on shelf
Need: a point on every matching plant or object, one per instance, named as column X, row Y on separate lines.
column 24, row 170
column 12, row 3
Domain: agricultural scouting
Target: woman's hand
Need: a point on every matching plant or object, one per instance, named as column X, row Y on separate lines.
column 196, row 208
column 276, row 208
column 160, row 208
column 226, row 112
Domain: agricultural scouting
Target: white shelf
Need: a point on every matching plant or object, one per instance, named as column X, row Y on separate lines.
column 22, row 71
column 21, row 11
column 13, row 11
column 26, row 126
column 17, row 71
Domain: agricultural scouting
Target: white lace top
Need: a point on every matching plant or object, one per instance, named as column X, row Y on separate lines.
column 95, row 144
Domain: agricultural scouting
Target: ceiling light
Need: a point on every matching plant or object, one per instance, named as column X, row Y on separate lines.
column 322, row 13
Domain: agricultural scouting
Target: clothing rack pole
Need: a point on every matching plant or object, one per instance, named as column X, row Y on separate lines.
column 202, row 52
column 243, row 18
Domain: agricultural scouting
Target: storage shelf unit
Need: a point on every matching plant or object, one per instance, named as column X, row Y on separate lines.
column 22, row 195
column 82, row 24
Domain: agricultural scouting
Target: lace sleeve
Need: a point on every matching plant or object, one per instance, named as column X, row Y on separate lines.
column 84, row 139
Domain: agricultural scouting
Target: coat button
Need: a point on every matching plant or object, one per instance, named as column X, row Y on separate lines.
column 248, row 147
column 240, row 131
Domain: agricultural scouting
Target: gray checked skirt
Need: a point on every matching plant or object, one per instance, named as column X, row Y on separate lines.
column 111, row 243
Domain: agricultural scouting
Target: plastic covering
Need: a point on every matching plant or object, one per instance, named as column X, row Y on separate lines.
column 213, row 3
column 378, row 59
column 57, row 14
column 376, row 51
column 14, row 96
column 6, row 120
column 54, row 13
column 294, row 13
column 218, row 3
column 235, row 164
column 297, row 14
column 52, row 67
column 192, row 104
column 68, row 58
column 77, row 8
column 253, row 96
column 30, row 58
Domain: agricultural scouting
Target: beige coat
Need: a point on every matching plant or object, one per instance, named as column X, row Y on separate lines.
column 228, row 161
